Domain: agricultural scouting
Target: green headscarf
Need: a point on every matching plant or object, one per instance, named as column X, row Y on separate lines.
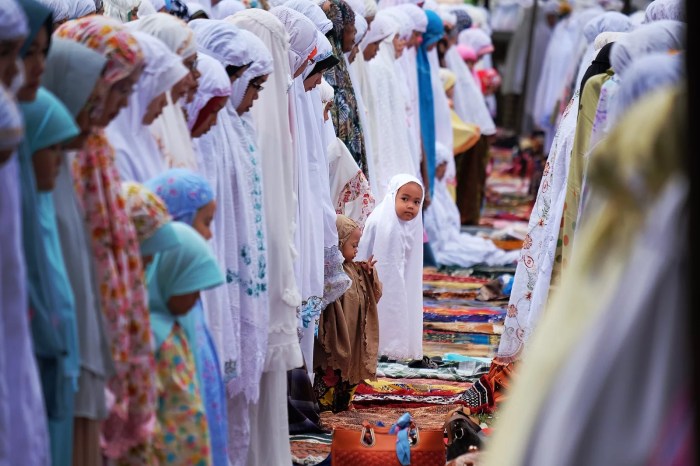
column 187, row 268
column 47, row 122
column 51, row 297
column 38, row 16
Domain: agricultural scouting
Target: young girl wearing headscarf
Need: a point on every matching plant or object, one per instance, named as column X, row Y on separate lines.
column 137, row 153
column 394, row 235
column 348, row 334
column 72, row 72
column 114, row 242
column 190, row 199
column 49, row 124
column 175, row 280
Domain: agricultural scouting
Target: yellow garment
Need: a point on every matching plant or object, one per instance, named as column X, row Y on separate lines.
column 465, row 135
column 584, row 126
column 627, row 172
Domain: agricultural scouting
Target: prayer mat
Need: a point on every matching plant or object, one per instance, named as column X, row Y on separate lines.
column 466, row 371
column 308, row 450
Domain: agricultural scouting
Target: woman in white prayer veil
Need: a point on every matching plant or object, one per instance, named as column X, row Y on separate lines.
column 387, row 111
column 221, row 161
column 137, row 154
column 664, row 9
column 60, row 10
column 270, row 117
column 170, row 128
column 226, row 8
column 442, row 223
column 314, row 239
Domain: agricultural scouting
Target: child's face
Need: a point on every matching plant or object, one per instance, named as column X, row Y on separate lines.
column 251, row 94
column 182, row 304
column 371, row 51
column 203, row 218
column 46, row 164
column 399, row 45
column 408, row 201
column 312, row 81
column 349, row 249
column 9, row 51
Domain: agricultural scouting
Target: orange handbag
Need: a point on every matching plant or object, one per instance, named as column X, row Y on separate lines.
column 375, row 446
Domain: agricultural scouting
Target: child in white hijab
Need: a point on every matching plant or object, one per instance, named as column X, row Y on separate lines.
column 394, row 235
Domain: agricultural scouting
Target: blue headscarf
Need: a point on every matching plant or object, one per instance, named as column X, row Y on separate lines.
column 183, row 191
column 38, row 16
column 187, row 268
column 54, row 330
column 433, row 34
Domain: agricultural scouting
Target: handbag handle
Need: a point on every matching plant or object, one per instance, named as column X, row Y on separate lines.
column 368, row 437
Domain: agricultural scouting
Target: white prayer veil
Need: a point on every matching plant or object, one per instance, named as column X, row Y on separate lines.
column 381, row 28
column 659, row 36
column 223, row 41
column 665, row 9
column 171, row 30
column 59, row 8
column 646, row 74
column 138, row 157
column 397, row 245
column 361, row 28
column 420, row 20
column 270, row 117
column 313, row 12
column 302, row 35
column 81, row 8
column 226, row 8
column 13, row 22
column 213, row 82
column 370, row 8
column 403, row 20
column 11, row 122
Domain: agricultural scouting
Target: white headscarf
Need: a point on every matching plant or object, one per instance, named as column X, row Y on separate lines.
column 313, row 12
column 327, row 92
column 604, row 38
column 137, row 154
column 13, row 22
column 420, row 20
column 226, row 8
column 404, row 21
column 222, row 40
column 81, row 8
column 658, row 36
column 361, row 27
column 213, row 82
column 146, row 9
column 120, row 9
column 302, row 35
column 665, row 9
column 476, row 39
column 59, row 8
column 397, row 246
column 382, row 27
column 194, row 7
column 646, row 74
column 262, row 65
column 171, row 30
column 370, row 8
column 158, row 5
